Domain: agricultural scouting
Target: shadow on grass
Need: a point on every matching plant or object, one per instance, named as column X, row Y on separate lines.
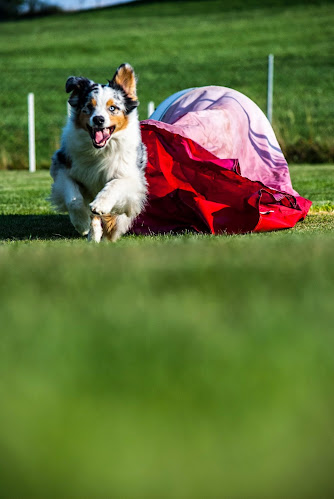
column 20, row 227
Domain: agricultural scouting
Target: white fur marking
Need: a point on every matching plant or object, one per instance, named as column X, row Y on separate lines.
column 96, row 231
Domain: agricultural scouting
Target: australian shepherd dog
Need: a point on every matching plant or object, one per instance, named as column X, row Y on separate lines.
column 99, row 171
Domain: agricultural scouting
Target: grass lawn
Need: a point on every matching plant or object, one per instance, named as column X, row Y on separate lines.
column 174, row 45
column 165, row 367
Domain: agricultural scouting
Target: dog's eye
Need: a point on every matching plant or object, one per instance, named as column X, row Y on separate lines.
column 112, row 109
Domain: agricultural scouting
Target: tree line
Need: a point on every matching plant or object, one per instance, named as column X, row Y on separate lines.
column 11, row 9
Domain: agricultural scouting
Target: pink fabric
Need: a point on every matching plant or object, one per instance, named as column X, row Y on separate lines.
column 230, row 125
column 214, row 165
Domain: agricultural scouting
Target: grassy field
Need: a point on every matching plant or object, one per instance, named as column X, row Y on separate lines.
column 165, row 367
column 175, row 45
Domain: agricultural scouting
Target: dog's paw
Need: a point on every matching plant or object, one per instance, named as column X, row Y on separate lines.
column 102, row 205
column 80, row 217
column 80, row 225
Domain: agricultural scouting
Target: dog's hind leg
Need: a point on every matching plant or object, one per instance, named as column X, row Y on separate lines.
column 121, row 226
column 104, row 226
column 109, row 224
column 96, row 230
column 80, row 215
column 66, row 196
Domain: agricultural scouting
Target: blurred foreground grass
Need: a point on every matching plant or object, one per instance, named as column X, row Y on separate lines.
column 167, row 367
column 189, row 367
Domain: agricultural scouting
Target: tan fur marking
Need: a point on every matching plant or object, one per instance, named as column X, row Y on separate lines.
column 117, row 118
column 93, row 102
column 125, row 78
column 109, row 224
column 120, row 121
column 82, row 120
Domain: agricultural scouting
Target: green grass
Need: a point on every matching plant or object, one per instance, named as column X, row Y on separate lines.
column 165, row 367
column 174, row 45
column 25, row 211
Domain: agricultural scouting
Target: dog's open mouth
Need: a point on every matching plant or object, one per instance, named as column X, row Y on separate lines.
column 100, row 136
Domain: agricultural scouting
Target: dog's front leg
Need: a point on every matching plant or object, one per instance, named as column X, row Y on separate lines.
column 122, row 196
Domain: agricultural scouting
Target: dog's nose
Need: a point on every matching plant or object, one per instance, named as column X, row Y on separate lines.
column 98, row 120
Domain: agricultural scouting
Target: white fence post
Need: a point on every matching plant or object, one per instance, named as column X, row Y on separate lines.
column 270, row 87
column 31, row 132
column 150, row 108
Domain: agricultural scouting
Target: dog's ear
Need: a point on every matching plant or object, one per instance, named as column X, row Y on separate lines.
column 77, row 85
column 125, row 78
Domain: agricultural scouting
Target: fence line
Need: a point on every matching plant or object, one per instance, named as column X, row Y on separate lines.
column 270, row 87
column 150, row 110
column 31, row 132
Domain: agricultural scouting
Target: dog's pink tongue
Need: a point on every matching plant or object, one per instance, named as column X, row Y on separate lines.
column 99, row 136
column 102, row 135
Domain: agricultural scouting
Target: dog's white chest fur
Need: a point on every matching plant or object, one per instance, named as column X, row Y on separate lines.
column 94, row 168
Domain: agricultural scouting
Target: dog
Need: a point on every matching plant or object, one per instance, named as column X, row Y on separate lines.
column 99, row 170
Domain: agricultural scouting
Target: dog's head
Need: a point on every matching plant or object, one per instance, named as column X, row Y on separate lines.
column 103, row 110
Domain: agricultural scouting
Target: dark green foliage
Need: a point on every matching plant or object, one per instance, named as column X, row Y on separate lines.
column 10, row 8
